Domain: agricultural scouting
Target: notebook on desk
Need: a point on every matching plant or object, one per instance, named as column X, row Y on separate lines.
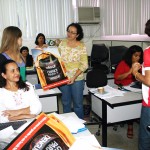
column 137, row 85
column 14, row 124
column 37, row 86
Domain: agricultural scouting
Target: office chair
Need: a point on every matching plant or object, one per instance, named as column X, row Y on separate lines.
column 100, row 57
column 96, row 78
column 116, row 54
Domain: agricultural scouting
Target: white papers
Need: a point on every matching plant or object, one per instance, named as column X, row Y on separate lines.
column 86, row 143
column 73, row 125
column 20, row 129
column 6, row 133
column 133, row 89
column 107, row 148
column 42, row 92
column 53, row 50
column 72, row 122
column 9, row 133
column 109, row 92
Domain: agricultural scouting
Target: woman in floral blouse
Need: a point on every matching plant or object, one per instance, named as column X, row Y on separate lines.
column 74, row 56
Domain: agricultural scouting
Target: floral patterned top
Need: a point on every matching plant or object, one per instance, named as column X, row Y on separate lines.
column 74, row 59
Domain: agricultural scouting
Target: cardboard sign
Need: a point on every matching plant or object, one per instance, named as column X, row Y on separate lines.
column 44, row 133
column 51, row 70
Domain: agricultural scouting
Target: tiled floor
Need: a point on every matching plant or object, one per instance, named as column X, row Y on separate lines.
column 116, row 139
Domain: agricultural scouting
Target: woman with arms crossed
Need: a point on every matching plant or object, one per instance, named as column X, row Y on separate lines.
column 17, row 98
column 123, row 74
column 144, row 134
column 74, row 56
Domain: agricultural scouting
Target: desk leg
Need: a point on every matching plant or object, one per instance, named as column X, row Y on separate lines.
column 104, row 124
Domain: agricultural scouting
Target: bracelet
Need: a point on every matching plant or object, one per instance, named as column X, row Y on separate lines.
column 136, row 75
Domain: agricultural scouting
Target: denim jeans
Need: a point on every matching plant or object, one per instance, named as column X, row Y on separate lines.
column 144, row 134
column 73, row 93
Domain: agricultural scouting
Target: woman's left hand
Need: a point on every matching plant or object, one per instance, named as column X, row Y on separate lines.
column 11, row 113
column 25, row 116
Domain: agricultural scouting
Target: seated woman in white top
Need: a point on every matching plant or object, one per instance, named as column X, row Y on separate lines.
column 18, row 99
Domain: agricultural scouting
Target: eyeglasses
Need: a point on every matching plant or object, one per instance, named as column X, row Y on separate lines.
column 71, row 32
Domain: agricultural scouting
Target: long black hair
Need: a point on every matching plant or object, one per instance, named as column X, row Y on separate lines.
column 21, row 84
column 128, row 55
column 147, row 27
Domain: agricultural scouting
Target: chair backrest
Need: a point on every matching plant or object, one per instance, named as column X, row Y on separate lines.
column 99, row 52
column 100, row 57
column 96, row 78
column 116, row 54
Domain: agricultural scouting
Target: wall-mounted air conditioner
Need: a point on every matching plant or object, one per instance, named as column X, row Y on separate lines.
column 89, row 15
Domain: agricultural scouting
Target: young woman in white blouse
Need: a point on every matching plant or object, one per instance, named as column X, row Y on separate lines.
column 17, row 98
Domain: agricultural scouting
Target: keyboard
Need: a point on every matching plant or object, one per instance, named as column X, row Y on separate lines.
column 14, row 124
column 137, row 85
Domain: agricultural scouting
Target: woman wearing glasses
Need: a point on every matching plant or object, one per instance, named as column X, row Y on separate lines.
column 74, row 56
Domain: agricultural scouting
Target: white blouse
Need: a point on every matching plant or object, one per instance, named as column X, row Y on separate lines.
column 17, row 100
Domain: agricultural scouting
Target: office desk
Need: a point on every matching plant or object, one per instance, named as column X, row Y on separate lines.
column 49, row 99
column 116, row 109
column 31, row 76
column 86, row 134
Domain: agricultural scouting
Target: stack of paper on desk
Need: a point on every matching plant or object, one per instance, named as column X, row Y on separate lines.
column 73, row 123
column 86, row 143
column 109, row 92
column 133, row 89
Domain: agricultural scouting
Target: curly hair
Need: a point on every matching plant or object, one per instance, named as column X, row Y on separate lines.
column 36, row 40
column 21, row 84
column 147, row 28
column 79, row 30
column 128, row 55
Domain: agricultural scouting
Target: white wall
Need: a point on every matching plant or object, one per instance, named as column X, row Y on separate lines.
column 29, row 43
